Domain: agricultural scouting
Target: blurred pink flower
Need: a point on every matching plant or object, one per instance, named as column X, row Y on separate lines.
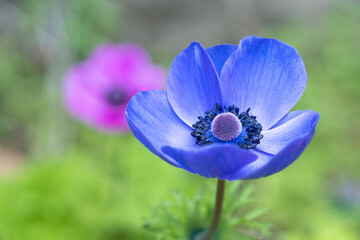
column 98, row 90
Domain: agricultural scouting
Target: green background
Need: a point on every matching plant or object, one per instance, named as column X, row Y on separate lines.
column 60, row 179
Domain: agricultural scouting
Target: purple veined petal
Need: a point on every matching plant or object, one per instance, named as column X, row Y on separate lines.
column 220, row 53
column 268, row 164
column 154, row 123
column 193, row 84
column 265, row 75
column 278, row 138
column 212, row 161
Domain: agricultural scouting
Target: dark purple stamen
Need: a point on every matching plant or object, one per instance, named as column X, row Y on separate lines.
column 116, row 97
column 218, row 126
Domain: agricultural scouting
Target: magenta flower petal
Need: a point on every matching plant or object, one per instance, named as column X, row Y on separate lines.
column 97, row 90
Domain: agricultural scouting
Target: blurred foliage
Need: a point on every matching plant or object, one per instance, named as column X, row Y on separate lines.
column 96, row 192
column 77, row 24
column 68, row 199
column 56, row 34
column 101, row 186
column 183, row 217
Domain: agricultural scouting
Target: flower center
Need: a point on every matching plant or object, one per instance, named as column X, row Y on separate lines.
column 226, row 127
column 222, row 124
column 116, row 97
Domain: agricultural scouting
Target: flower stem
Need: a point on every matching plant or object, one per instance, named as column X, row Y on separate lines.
column 220, row 192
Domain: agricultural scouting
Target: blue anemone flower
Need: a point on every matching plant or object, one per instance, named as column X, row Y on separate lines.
column 225, row 112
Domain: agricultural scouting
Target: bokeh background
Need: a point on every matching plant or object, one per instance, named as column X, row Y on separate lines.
column 62, row 180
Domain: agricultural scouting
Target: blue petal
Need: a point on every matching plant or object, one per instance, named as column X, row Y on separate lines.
column 268, row 164
column 154, row 123
column 220, row 53
column 212, row 161
column 278, row 138
column 266, row 75
column 287, row 118
column 193, row 84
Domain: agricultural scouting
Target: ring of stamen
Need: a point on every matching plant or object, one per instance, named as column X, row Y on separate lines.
column 246, row 134
column 226, row 127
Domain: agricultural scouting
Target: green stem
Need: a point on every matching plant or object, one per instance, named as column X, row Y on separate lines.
column 220, row 192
